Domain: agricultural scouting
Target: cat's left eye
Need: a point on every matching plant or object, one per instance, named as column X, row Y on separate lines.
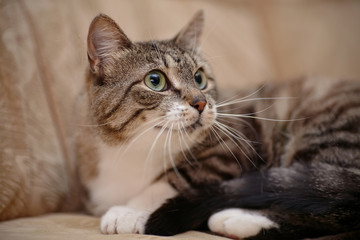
column 200, row 79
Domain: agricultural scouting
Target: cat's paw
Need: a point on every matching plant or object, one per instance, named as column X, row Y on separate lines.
column 239, row 223
column 122, row 219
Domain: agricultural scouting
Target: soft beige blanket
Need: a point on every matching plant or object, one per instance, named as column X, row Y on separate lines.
column 75, row 226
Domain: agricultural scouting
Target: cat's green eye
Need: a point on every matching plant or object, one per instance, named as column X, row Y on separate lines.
column 200, row 79
column 155, row 80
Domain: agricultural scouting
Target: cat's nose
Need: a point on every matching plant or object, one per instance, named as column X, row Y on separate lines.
column 199, row 104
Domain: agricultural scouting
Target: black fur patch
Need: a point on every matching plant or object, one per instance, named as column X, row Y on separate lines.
column 292, row 199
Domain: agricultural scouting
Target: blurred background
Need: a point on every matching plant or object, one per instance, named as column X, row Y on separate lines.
column 43, row 61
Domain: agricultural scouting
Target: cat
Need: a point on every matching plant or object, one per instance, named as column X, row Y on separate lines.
column 164, row 154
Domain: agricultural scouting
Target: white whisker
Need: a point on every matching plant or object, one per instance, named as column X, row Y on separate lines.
column 239, row 122
column 148, row 158
column 239, row 136
column 223, row 143
column 172, row 162
column 165, row 150
column 181, row 139
column 236, row 121
column 242, row 100
column 230, row 136
column 191, row 142
column 235, row 131
column 144, row 131
column 247, row 96
column 220, row 140
column 250, row 113
column 123, row 149
column 260, row 118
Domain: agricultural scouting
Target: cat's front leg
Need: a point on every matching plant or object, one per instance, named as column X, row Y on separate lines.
column 123, row 219
column 132, row 217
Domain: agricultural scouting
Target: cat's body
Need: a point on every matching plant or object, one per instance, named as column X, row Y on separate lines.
column 159, row 133
column 308, row 183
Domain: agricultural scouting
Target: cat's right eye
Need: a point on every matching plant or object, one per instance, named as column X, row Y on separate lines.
column 200, row 79
column 155, row 80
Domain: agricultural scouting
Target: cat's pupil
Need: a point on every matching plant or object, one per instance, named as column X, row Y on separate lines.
column 198, row 77
column 155, row 79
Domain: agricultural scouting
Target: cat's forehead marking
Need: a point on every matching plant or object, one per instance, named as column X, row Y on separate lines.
column 190, row 59
column 170, row 61
column 175, row 56
column 177, row 63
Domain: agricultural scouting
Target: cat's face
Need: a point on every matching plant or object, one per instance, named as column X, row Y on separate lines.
column 163, row 85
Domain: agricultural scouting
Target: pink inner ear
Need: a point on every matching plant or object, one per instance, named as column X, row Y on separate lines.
column 92, row 56
column 104, row 38
column 189, row 36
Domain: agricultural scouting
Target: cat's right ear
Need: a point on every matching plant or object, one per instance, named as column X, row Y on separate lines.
column 104, row 39
column 189, row 36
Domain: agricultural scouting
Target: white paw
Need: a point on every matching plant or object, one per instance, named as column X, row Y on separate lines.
column 239, row 223
column 121, row 219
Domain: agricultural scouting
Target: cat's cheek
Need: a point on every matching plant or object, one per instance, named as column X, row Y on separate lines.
column 210, row 118
column 145, row 97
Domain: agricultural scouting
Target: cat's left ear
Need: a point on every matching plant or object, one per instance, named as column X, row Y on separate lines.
column 189, row 36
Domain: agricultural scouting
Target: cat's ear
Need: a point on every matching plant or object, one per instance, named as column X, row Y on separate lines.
column 104, row 38
column 189, row 36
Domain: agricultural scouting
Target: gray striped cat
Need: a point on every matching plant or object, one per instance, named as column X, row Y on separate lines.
column 165, row 155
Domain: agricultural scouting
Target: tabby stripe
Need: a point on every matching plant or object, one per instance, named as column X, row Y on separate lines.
column 160, row 53
column 193, row 59
column 120, row 102
column 188, row 56
column 210, row 168
column 308, row 153
column 338, row 138
column 215, row 155
column 135, row 115
column 118, row 129
column 186, row 176
column 339, row 110
column 164, row 61
column 174, row 183
column 349, row 126
column 343, row 90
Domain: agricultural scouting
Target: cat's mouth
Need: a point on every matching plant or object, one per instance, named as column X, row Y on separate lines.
column 187, row 122
column 181, row 128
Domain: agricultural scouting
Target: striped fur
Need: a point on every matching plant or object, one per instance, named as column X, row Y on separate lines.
column 290, row 150
column 307, row 174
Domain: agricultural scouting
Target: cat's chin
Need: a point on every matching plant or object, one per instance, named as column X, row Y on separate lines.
column 197, row 126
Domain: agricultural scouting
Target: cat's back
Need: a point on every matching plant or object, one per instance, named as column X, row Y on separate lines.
column 312, row 119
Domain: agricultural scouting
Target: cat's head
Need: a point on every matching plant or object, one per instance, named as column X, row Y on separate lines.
column 134, row 86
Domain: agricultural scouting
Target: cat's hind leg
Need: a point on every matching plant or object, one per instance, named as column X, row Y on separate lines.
column 239, row 223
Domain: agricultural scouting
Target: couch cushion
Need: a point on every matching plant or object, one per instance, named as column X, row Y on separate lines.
column 62, row 226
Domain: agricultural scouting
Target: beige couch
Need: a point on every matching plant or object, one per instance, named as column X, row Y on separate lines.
column 42, row 62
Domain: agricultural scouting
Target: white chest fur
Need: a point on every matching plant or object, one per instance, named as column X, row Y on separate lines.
column 125, row 171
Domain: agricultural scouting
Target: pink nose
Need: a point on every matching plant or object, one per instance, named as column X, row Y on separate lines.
column 199, row 105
